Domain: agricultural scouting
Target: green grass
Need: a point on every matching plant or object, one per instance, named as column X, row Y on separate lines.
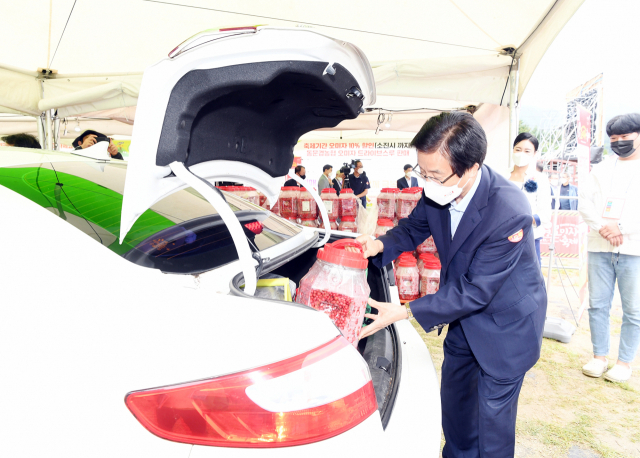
column 561, row 408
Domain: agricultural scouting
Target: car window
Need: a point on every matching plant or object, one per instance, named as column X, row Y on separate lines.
column 181, row 233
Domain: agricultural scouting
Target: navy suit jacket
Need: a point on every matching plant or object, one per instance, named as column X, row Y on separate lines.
column 490, row 278
column 402, row 182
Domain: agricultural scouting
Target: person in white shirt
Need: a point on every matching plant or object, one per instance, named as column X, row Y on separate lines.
column 533, row 183
column 609, row 204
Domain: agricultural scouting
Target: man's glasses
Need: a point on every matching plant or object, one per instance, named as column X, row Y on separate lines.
column 424, row 176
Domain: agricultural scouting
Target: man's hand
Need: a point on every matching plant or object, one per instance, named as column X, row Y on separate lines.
column 89, row 140
column 610, row 231
column 370, row 246
column 113, row 149
column 387, row 314
column 616, row 240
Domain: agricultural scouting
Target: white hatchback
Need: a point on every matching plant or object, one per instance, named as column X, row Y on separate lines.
column 126, row 319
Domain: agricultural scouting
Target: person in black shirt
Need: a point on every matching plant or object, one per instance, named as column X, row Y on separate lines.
column 300, row 171
column 359, row 182
column 90, row 137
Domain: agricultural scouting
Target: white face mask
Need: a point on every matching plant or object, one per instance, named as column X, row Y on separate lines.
column 407, row 174
column 360, row 170
column 554, row 182
column 522, row 159
column 442, row 195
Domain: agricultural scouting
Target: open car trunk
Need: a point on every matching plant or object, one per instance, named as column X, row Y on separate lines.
column 382, row 351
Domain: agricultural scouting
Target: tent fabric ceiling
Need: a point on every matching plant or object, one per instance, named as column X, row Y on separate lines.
column 438, row 49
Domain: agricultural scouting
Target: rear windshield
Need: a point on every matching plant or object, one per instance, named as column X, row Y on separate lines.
column 182, row 233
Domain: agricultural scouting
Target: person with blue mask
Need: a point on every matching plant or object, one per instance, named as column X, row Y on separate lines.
column 492, row 295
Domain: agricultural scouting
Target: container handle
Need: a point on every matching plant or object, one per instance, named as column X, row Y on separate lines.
column 344, row 243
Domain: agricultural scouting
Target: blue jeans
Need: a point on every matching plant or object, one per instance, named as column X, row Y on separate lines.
column 604, row 269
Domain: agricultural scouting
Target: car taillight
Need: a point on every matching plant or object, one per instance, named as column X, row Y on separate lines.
column 255, row 227
column 310, row 397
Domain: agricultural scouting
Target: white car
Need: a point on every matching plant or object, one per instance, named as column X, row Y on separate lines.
column 125, row 328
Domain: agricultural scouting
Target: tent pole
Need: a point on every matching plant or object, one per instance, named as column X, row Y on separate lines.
column 41, row 138
column 513, row 107
column 49, row 130
column 56, row 133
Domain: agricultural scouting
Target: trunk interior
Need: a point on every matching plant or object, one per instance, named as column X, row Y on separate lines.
column 381, row 351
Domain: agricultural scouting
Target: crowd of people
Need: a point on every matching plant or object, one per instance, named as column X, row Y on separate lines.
column 606, row 203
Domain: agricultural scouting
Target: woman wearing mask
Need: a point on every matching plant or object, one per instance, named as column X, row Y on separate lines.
column 533, row 183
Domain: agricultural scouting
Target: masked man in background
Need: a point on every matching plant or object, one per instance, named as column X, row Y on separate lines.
column 491, row 294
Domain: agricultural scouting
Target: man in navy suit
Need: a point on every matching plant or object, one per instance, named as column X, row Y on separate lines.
column 491, row 293
column 408, row 180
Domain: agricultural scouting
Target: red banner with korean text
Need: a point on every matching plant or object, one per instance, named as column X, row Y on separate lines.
column 567, row 236
column 383, row 159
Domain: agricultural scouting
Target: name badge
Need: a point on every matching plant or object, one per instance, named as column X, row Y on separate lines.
column 613, row 208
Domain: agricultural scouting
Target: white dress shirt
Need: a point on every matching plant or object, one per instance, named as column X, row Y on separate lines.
column 457, row 209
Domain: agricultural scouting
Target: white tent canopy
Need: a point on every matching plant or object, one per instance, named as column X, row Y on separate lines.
column 437, row 49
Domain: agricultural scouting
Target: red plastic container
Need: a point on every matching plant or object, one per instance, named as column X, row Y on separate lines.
column 307, row 207
column 331, row 203
column 309, row 222
column 288, row 201
column 250, row 194
column 428, row 246
column 387, row 203
column 263, row 200
column 407, row 201
column 383, row 226
column 407, row 278
column 348, row 224
column 333, row 224
column 348, row 204
column 337, row 285
column 430, row 274
column 276, row 208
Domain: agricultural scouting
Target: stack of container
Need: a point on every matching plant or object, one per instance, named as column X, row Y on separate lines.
column 429, row 274
column 309, row 221
column 383, row 226
column 387, row 203
column 407, row 201
column 348, row 204
column 249, row 193
column 307, row 207
column 331, row 203
column 288, row 202
column 407, row 278
column 348, row 224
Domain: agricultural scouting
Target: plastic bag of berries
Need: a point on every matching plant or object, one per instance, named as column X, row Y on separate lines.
column 337, row 285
